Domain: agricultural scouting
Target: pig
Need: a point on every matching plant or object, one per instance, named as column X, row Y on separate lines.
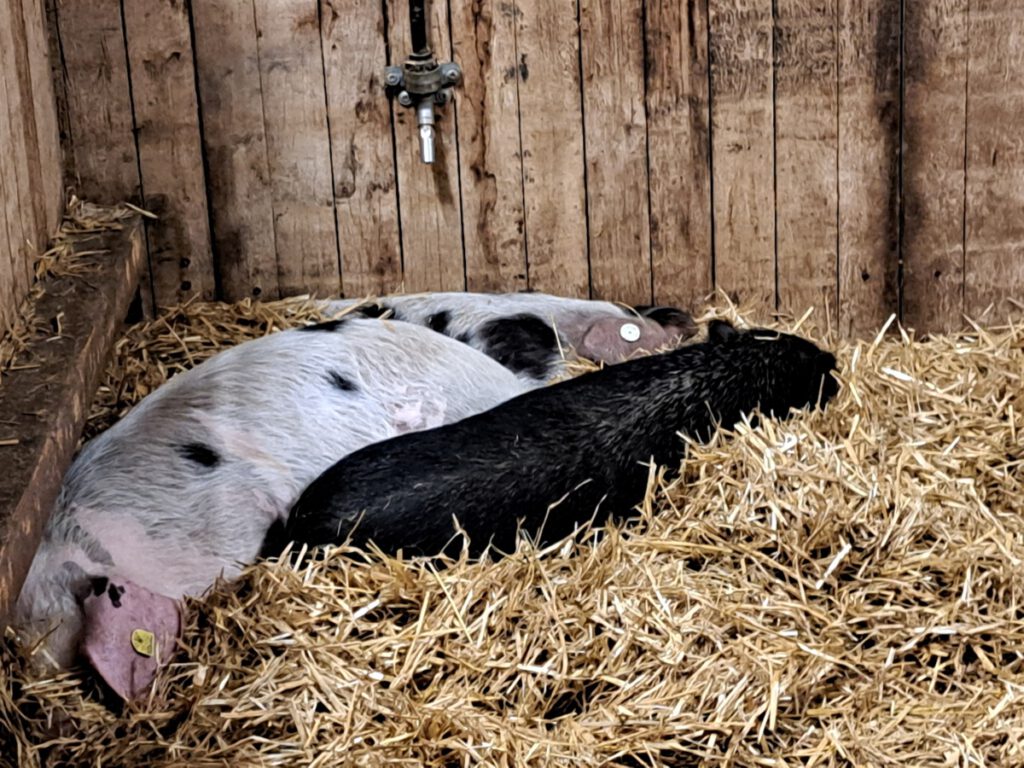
column 552, row 459
column 535, row 333
column 186, row 487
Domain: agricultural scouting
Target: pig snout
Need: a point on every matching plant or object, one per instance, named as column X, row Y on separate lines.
column 612, row 339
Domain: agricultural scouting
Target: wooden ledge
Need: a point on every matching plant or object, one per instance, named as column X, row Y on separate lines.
column 43, row 408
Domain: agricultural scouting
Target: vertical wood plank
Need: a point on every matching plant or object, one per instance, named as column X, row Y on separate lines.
column 99, row 103
column 14, row 166
column 678, row 146
column 10, row 221
column 298, row 146
column 742, row 150
column 170, row 149
column 868, row 163
column 934, row 121
column 615, row 131
column 551, row 127
column 995, row 161
column 23, row 124
column 45, row 109
column 432, row 257
column 807, row 157
column 491, row 170
column 364, row 172
column 231, row 99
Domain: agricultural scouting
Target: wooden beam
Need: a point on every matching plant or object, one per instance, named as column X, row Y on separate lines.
column 615, row 131
column 742, row 131
column 678, row 147
column 45, row 405
column 869, row 95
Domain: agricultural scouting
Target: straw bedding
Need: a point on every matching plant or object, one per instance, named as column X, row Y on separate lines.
column 841, row 589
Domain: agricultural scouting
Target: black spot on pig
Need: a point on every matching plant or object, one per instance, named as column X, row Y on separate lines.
column 200, row 454
column 114, row 592
column 439, row 321
column 327, row 325
column 341, row 382
column 373, row 310
column 522, row 343
column 99, row 585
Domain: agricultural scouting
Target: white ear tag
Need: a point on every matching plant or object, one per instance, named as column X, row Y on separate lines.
column 630, row 332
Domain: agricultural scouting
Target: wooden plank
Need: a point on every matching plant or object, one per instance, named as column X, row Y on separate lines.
column 99, row 104
column 934, row 122
column 45, row 114
column 9, row 297
column 615, row 132
column 868, row 164
column 170, row 149
column 48, row 403
column 483, row 35
column 428, row 194
column 14, row 200
column 23, row 124
column 234, row 139
column 742, row 151
column 994, row 285
column 678, row 141
column 551, row 127
column 20, row 146
column 366, row 198
column 806, row 158
column 298, row 146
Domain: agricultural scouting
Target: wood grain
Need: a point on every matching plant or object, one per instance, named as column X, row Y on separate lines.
column 994, row 261
column 99, row 103
column 170, row 150
column 869, row 144
column 678, row 151
column 298, row 146
column 615, row 131
column 45, row 114
column 551, row 127
column 432, row 255
column 9, row 257
column 353, row 39
column 483, row 35
column 807, row 156
column 742, row 151
column 23, row 124
column 235, row 145
column 935, row 120
column 16, row 202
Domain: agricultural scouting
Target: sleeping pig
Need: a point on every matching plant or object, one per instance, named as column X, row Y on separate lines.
column 557, row 457
column 186, row 486
column 535, row 332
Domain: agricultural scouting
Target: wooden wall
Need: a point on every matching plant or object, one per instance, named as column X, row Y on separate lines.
column 862, row 156
column 30, row 156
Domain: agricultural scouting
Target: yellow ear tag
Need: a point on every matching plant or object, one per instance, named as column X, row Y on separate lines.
column 143, row 642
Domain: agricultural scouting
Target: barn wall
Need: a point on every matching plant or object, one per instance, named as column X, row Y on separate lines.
column 30, row 153
column 846, row 154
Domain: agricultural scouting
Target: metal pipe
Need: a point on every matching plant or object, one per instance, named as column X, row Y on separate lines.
column 425, row 121
column 418, row 23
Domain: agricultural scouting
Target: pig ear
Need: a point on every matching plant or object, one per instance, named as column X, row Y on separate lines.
column 721, row 331
column 671, row 319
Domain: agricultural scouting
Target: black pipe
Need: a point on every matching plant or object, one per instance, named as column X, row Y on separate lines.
column 418, row 22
